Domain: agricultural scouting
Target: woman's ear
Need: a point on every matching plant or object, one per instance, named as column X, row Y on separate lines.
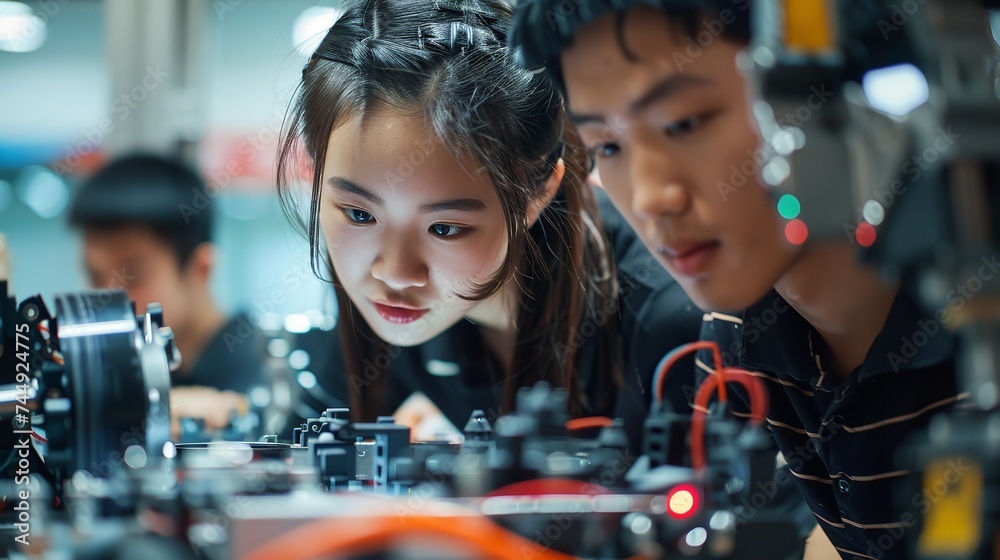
column 551, row 188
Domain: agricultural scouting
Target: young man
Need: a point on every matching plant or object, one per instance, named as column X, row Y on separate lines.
column 656, row 92
column 142, row 231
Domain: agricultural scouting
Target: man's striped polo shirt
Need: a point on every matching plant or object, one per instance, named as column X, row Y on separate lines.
column 840, row 436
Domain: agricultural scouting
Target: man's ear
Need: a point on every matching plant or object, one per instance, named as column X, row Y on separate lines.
column 200, row 264
column 551, row 188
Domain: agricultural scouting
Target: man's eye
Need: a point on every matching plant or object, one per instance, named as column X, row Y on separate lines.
column 445, row 230
column 604, row 150
column 686, row 126
column 358, row 216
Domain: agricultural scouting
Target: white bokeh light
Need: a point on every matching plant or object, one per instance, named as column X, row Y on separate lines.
column 896, row 90
column 21, row 31
column 311, row 26
column 43, row 191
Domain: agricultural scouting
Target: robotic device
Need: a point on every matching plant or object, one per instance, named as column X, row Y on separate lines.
column 98, row 375
column 523, row 487
column 85, row 391
column 918, row 194
column 99, row 477
column 519, row 487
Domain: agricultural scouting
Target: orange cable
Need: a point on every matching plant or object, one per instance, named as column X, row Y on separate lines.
column 588, row 423
column 759, row 404
column 350, row 535
column 686, row 349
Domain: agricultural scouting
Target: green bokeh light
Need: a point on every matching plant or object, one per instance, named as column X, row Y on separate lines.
column 789, row 207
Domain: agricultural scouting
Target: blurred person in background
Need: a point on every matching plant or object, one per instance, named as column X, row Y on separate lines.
column 146, row 223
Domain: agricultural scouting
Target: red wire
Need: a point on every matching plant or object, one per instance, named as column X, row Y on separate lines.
column 37, row 436
column 687, row 349
column 548, row 487
column 589, row 422
column 758, row 409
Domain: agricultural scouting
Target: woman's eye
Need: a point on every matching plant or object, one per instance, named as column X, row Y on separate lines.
column 444, row 230
column 358, row 216
column 686, row 126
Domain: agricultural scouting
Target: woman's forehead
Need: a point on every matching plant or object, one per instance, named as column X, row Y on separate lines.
column 390, row 151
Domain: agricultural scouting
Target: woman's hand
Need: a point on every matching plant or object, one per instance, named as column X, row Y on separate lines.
column 425, row 419
column 209, row 404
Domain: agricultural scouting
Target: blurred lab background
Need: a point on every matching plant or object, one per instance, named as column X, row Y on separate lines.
column 207, row 81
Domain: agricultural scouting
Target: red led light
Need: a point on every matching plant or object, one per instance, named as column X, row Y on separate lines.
column 796, row 232
column 683, row 501
column 865, row 234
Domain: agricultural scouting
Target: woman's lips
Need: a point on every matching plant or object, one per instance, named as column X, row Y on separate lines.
column 693, row 260
column 398, row 314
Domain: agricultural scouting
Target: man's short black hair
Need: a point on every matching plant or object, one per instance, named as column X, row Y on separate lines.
column 148, row 191
column 544, row 28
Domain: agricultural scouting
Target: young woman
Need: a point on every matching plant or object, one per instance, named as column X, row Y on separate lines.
column 467, row 251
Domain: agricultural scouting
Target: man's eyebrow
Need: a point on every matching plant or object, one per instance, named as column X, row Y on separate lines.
column 666, row 88
column 663, row 89
column 345, row 185
column 463, row 204
column 580, row 120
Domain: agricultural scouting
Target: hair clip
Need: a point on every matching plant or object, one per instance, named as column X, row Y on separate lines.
column 461, row 36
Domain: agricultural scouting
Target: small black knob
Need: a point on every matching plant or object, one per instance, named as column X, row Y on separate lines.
column 337, row 413
column 478, row 427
